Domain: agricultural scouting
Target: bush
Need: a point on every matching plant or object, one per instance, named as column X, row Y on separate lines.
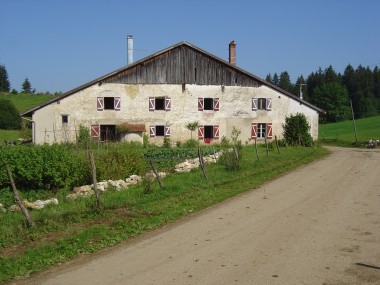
column 231, row 156
column 9, row 117
column 190, row 144
column 297, row 130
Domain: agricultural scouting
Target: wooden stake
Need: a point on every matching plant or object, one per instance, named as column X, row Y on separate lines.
column 278, row 148
column 266, row 144
column 155, row 172
column 257, row 153
column 353, row 121
column 201, row 162
column 94, row 182
column 18, row 199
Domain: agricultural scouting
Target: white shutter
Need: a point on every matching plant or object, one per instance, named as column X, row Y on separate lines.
column 116, row 103
column 216, row 104
column 151, row 103
column 167, row 131
column 100, row 103
column 168, row 104
column 254, row 104
column 269, row 104
column 152, row 131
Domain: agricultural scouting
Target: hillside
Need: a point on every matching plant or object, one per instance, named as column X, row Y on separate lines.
column 343, row 132
column 25, row 102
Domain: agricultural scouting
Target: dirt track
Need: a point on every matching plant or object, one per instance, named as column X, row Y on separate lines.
column 317, row 225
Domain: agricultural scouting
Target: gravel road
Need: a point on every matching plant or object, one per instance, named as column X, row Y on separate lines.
column 319, row 224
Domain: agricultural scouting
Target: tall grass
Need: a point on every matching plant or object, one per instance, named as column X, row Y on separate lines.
column 78, row 227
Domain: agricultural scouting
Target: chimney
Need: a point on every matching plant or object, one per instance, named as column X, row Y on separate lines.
column 130, row 49
column 232, row 53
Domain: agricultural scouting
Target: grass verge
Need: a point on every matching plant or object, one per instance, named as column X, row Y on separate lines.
column 77, row 227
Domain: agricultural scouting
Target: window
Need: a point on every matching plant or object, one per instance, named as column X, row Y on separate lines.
column 208, row 104
column 261, row 104
column 208, row 132
column 261, row 130
column 65, row 119
column 103, row 132
column 159, row 103
column 159, row 131
column 108, row 103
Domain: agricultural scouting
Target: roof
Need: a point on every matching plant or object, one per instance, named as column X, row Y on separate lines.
column 29, row 112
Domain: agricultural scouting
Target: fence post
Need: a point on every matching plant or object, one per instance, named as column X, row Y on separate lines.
column 18, row 199
column 94, row 182
column 257, row 153
column 155, row 172
column 201, row 162
column 278, row 148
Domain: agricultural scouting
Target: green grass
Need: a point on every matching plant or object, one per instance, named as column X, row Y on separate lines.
column 9, row 135
column 342, row 133
column 77, row 227
column 24, row 102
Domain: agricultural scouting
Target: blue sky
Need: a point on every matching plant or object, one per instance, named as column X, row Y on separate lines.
column 61, row 44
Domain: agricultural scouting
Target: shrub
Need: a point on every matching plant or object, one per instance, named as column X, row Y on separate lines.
column 232, row 152
column 297, row 130
column 167, row 143
column 9, row 117
column 190, row 144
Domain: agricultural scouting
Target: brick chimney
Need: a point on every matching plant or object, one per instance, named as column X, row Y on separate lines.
column 232, row 53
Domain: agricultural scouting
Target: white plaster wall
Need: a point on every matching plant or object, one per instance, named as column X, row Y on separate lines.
column 235, row 110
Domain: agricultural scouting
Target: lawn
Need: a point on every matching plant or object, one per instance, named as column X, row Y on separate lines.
column 78, row 227
column 342, row 133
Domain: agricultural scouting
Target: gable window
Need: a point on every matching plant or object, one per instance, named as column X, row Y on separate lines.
column 159, row 131
column 65, row 119
column 108, row 103
column 159, row 103
column 208, row 104
column 261, row 104
column 261, row 131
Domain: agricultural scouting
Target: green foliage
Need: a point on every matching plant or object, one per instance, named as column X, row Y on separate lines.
column 297, row 130
column 190, row 144
column 231, row 152
column 145, row 140
column 9, row 117
column 284, row 81
column 25, row 102
column 192, row 127
column 84, row 137
column 4, row 82
column 333, row 98
column 26, row 86
column 167, row 142
column 43, row 167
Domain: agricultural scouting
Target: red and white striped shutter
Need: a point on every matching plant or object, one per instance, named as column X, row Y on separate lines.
column 116, row 103
column 269, row 104
column 254, row 131
column 100, row 103
column 167, row 131
column 200, row 104
column 201, row 132
column 216, row 104
column 216, row 132
column 168, row 104
column 95, row 132
column 151, row 103
column 269, row 131
column 152, row 131
column 254, row 104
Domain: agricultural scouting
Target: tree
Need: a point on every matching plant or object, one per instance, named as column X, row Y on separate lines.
column 192, row 127
column 333, row 98
column 284, row 81
column 275, row 79
column 9, row 117
column 4, row 82
column 269, row 78
column 297, row 130
column 26, row 86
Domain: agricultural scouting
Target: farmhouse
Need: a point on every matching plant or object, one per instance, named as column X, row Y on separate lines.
column 160, row 94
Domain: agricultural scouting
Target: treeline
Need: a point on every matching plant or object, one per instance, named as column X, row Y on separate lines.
column 333, row 91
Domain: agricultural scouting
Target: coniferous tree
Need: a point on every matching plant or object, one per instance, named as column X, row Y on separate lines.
column 268, row 78
column 9, row 117
column 4, row 82
column 26, row 86
column 275, row 79
column 284, row 81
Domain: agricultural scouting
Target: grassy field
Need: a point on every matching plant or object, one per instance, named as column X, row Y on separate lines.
column 77, row 227
column 22, row 102
column 342, row 133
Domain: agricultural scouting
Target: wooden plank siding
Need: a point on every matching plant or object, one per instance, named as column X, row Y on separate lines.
column 183, row 65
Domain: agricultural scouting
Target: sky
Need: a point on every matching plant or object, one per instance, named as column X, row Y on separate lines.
column 61, row 44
